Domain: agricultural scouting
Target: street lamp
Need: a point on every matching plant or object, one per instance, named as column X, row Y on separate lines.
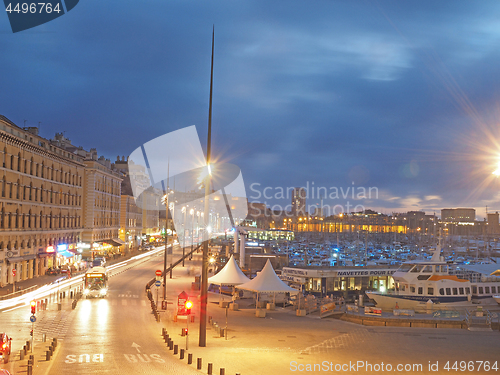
column 165, row 201
column 192, row 229
column 184, row 211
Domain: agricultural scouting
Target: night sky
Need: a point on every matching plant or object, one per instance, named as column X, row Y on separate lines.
column 401, row 96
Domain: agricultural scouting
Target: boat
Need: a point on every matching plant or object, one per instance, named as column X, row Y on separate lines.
column 431, row 284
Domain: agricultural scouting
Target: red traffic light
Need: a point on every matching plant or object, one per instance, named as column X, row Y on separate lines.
column 33, row 307
column 188, row 305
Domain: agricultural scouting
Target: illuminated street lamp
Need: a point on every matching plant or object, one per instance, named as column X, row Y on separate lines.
column 192, row 228
column 184, row 211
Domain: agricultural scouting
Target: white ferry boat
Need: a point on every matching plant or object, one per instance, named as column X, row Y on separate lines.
column 428, row 283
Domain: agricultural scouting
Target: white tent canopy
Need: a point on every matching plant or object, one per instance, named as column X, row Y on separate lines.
column 267, row 281
column 231, row 274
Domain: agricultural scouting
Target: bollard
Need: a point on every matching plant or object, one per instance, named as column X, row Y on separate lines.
column 47, row 355
column 54, row 341
column 198, row 364
column 44, row 337
column 21, row 354
column 64, row 294
column 171, row 345
column 176, row 349
column 222, row 371
column 28, row 346
column 222, row 330
column 192, row 318
column 71, row 294
column 183, row 332
column 165, row 338
column 51, row 350
column 209, row 372
column 163, row 331
column 25, row 350
column 181, row 355
column 59, row 306
column 190, row 358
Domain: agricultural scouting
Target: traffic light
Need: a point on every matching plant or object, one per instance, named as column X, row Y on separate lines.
column 184, row 332
column 33, row 306
column 31, row 333
column 188, row 307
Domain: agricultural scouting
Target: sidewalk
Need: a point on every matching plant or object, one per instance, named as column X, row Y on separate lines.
column 47, row 279
column 45, row 318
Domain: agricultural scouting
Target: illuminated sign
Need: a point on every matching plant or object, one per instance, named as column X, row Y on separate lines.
column 82, row 245
column 62, row 247
column 94, row 275
column 50, row 249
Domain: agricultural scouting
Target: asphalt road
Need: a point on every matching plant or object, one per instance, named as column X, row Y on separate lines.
column 114, row 335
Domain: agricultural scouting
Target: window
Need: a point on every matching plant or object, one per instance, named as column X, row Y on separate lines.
column 487, row 289
column 474, row 289
column 420, row 290
column 455, row 291
column 412, row 289
column 493, row 289
column 430, row 291
column 461, row 290
column 448, row 291
column 481, row 291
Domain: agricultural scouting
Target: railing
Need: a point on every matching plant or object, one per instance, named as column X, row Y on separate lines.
column 478, row 318
column 18, row 293
column 446, row 314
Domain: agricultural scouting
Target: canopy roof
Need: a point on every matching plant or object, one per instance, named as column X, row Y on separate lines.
column 231, row 274
column 267, row 281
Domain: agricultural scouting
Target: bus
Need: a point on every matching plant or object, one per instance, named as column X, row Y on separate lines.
column 95, row 282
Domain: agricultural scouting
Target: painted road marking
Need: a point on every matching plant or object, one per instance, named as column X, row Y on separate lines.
column 82, row 358
column 143, row 358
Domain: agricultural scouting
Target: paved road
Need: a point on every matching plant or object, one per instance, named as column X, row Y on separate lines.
column 114, row 335
column 117, row 335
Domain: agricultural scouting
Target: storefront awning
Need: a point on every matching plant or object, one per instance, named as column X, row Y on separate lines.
column 65, row 253
column 112, row 241
column 21, row 258
column 119, row 241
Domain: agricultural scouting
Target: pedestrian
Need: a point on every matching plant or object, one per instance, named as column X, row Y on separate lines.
column 397, row 306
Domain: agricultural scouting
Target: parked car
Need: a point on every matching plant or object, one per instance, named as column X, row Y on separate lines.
column 5, row 344
column 53, row 271
column 99, row 262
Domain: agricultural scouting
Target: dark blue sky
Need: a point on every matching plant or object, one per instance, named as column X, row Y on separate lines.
column 401, row 96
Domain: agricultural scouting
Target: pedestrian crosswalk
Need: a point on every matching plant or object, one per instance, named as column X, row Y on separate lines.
column 128, row 302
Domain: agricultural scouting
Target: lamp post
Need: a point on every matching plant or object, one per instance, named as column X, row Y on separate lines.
column 192, row 228
column 204, row 264
column 165, row 201
column 184, row 211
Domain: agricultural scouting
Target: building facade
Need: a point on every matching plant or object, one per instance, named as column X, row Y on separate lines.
column 41, row 199
column 456, row 215
column 101, row 208
column 299, row 201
